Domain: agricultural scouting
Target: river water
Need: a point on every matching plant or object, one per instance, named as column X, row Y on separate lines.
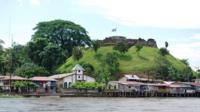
column 79, row 104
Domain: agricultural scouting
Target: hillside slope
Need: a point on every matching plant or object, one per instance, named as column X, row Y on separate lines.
column 130, row 62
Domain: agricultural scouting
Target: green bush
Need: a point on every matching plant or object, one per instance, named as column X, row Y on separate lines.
column 163, row 51
column 86, row 85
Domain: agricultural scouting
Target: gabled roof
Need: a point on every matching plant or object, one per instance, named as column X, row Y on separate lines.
column 78, row 67
column 59, row 76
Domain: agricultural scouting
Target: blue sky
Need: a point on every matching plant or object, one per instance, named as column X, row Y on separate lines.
column 175, row 21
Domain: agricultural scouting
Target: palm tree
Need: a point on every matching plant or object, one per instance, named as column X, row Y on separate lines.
column 1, row 44
column 166, row 44
column 1, row 58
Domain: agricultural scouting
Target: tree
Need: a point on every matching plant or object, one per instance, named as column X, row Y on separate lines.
column 89, row 69
column 35, row 48
column 29, row 70
column 163, row 51
column 1, row 45
column 162, row 69
column 65, row 34
column 198, row 73
column 187, row 73
column 54, row 41
column 1, row 55
column 185, row 61
column 166, row 44
column 45, row 54
column 174, row 74
column 51, row 57
column 77, row 53
column 10, row 61
column 24, row 86
column 138, row 48
column 95, row 45
column 103, row 75
column 122, row 47
column 111, row 63
column 110, row 67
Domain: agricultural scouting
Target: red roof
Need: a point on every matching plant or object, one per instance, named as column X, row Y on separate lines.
column 12, row 78
column 42, row 79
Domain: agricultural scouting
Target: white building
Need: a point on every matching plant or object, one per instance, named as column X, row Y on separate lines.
column 65, row 80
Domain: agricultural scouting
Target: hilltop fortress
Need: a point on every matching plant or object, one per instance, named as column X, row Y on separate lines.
column 131, row 42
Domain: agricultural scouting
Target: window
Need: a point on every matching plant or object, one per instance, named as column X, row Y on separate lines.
column 115, row 87
column 79, row 76
column 65, row 85
column 79, row 71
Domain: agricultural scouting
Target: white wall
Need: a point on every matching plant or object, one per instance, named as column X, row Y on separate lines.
column 89, row 79
column 71, row 79
column 79, row 72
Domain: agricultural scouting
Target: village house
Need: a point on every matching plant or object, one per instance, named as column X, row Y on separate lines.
column 5, row 81
column 180, row 88
column 77, row 75
column 196, row 87
column 45, row 84
column 113, row 85
column 129, row 86
column 132, row 77
column 197, row 80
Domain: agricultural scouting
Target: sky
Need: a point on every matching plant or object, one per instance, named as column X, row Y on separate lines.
column 174, row 21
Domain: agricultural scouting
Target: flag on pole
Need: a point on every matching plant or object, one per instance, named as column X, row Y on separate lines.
column 114, row 29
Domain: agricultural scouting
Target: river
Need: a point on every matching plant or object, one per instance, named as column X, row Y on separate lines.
column 80, row 104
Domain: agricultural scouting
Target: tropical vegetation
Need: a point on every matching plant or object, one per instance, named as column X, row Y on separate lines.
column 57, row 45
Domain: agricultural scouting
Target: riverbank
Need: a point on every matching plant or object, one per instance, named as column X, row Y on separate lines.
column 117, row 94
column 10, row 96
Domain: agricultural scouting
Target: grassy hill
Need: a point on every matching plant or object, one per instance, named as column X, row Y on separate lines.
column 130, row 62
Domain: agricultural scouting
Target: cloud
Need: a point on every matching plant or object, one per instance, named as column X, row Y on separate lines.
column 149, row 13
column 20, row 2
column 32, row 2
column 187, row 51
column 35, row 2
column 196, row 36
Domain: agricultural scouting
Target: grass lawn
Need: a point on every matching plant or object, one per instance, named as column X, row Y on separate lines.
column 130, row 62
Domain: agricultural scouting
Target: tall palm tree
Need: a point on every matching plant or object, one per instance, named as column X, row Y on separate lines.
column 1, row 51
column 1, row 44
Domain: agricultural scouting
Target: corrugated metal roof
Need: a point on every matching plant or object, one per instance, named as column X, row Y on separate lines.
column 130, row 83
column 133, row 77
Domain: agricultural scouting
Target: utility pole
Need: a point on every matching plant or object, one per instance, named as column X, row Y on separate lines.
column 11, row 65
column 11, row 57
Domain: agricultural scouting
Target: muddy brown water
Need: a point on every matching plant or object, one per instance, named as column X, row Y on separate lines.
column 87, row 104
